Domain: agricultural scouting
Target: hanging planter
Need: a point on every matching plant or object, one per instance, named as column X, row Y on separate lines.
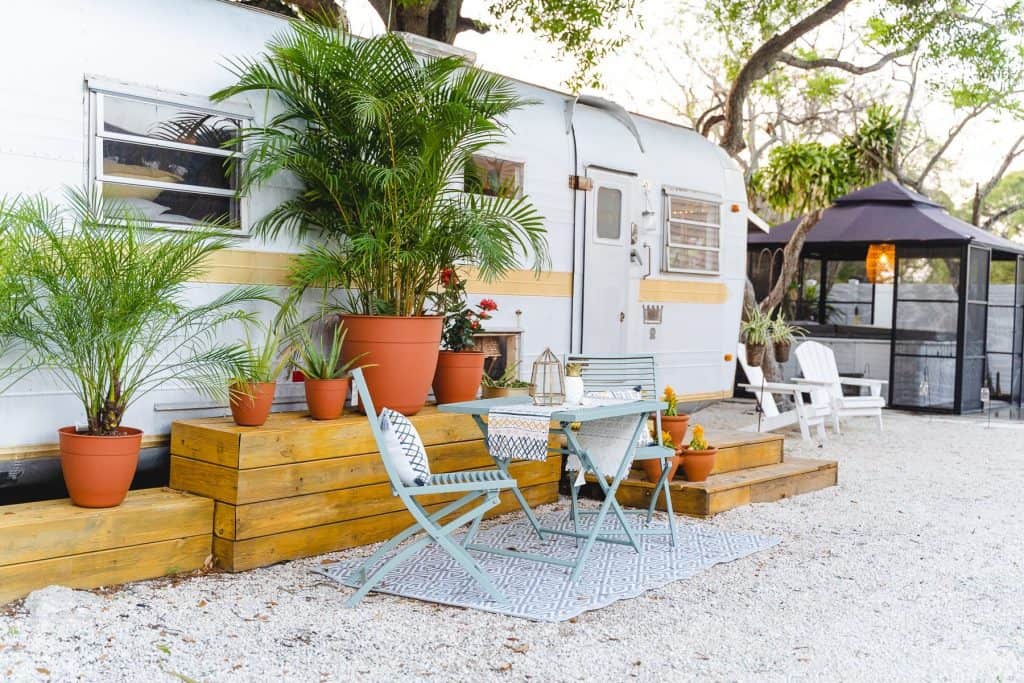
column 783, row 335
column 756, row 331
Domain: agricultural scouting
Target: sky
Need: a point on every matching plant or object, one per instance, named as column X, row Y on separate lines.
column 636, row 77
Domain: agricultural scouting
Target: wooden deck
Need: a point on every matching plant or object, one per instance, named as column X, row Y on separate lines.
column 298, row 487
column 155, row 532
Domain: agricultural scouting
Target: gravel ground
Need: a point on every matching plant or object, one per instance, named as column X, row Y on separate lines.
column 911, row 568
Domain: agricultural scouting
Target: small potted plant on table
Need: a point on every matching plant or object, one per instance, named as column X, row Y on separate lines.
column 756, row 331
column 460, row 365
column 698, row 456
column 252, row 392
column 325, row 375
column 783, row 335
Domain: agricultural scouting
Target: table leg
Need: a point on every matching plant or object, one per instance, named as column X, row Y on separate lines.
column 503, row 466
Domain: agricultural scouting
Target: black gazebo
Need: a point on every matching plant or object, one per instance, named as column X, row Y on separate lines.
column 904, row 291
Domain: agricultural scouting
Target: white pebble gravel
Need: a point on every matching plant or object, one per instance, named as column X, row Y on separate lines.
column 911, row 569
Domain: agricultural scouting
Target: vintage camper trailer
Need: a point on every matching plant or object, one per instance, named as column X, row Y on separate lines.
column 646, row 220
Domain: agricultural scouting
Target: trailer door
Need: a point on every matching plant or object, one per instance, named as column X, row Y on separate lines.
column 606, row 262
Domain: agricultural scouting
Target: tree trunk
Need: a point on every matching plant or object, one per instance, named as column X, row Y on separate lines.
column 791, row 260
column 436, row 19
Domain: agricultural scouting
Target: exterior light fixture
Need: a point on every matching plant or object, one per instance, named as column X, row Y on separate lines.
column 880, row 265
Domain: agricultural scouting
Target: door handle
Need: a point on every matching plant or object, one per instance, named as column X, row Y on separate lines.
column 622, row 316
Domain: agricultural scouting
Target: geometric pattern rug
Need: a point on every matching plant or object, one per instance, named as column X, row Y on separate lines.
column 540, row 591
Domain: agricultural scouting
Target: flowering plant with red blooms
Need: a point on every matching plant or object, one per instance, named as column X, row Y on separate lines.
column 461, row 321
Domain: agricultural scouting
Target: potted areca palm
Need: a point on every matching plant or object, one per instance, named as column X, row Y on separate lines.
column 326, row 379
column 384, row 140
column 252, row 392
column 109, row 316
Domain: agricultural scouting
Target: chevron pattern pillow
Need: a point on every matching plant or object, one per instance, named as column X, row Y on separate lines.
column 405, row 451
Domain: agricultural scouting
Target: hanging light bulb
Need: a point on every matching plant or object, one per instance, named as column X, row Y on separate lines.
column 880, row 265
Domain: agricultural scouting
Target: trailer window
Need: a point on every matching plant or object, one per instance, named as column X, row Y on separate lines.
column 692, row 232
column 493, row 177
column 167, row 161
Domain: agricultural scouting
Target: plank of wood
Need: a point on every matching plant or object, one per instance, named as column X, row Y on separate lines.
column 741, row 456
column 299, row 512
column 200, row 442
column 265, row 550
column 49, row 450
column 56, row 528
column 105, row 567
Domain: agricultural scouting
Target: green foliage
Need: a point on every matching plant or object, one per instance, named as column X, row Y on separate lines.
column 321, row 358
column 266, row 356
column 106, row 309
column 574, row 369
column 782, row 332
column 823, row 86
column 757, row 327
column 1008, row 193
column 461, row 321
column 508, row 379
column 379, row 140
column 671, row 398
column 14, row 298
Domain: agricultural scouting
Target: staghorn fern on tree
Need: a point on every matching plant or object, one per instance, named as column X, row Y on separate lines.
column 379, row 140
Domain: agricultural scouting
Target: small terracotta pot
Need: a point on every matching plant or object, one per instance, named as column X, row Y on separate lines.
column 652, row 468
column 98, row 470
column 755, row 355
column 782, row 352
column 494, row 392
column 326, row 397
column 457, row 377
column 251, row 403
column 401, row 356
column 697, row 465
column 675, row 425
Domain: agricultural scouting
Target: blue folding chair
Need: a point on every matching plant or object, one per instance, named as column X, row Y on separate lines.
column 484, row 486
column 616, row 372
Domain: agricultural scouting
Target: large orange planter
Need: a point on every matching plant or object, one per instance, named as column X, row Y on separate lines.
column 326, row 397
column 458, row 376
column 402, row 355
column 98, row 470
column 676, row 426
column 251, row 403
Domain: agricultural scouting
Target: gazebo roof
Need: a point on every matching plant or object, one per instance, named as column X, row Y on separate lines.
column 886, row 212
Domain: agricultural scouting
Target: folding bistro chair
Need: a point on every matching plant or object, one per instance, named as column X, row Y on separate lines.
column 617, row 372
column 476, row 485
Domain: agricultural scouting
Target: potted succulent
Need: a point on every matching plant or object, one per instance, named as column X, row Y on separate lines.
column 574, row 383
column 698, row 456
column 380, row 167
column 459, row 364
column 505, row 384
column 252, row 392
column 756, row 331
column 109, row 316
column 783, row 335
column 325, row 374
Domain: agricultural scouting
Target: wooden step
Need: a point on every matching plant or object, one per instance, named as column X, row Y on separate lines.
column 740, row 450
column 732, row 489
column 155, row 532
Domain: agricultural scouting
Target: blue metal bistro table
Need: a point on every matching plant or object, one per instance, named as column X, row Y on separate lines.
column 565, row 417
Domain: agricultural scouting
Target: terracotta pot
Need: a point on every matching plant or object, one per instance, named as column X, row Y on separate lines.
column 326, row 397
column 495, row 392
column 755, row 355
column 782, row 352
column 457, row 377
column 99, row 469
column 697, row 465
column 676, row 425
column 403, row 352
column 652, row 468
column 251, row 403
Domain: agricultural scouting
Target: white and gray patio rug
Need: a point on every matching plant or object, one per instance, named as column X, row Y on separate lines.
column 537, row 590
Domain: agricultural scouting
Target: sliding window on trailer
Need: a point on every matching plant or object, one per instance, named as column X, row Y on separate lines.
column 166, row 156
column 692, row 234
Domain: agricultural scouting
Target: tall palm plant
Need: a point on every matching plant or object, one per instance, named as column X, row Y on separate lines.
column 380, row 140
column 106, row 309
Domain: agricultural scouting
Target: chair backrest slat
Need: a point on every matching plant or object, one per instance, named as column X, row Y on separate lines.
column 818, row 363
column 755, row 377
column 604, row 371
column 363, row 392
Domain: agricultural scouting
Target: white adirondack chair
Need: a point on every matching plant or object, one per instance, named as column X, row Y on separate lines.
column 821, row 375
column 806, row 415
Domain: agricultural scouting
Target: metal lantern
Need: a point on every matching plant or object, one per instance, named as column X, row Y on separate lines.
column 547, row 384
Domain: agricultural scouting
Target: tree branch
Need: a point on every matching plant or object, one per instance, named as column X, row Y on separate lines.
column 791, row 260
column 1001, row 214
column 830, row 63
column 983, row 191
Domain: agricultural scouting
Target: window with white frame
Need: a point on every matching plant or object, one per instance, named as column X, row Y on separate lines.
column 692, row 231
column 167, row 160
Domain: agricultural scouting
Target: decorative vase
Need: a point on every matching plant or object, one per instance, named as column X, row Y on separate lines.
column 457, row 377
column 573, row 390
column 755, row 355
column 676, row 425
column 697, row 465
column 495, row 392
column 326, row 397
column 251, row 403
column 98, row 470
column 652, row 468
column 782, row 352
column 401, row 357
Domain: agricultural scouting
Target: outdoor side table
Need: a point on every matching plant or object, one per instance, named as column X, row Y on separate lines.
column 641, row 409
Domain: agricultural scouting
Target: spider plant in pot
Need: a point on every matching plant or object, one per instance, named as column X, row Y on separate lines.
column 503, row 384
column 674, row 425
column 459, row 364
column 326, row 375
column 756, row 331
column 252, row 392
column 380, row 140
column 783, row 335
column 698, row 456
column 109, row 316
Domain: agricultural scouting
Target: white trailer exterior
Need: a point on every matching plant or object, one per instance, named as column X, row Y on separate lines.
column 609, row 245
